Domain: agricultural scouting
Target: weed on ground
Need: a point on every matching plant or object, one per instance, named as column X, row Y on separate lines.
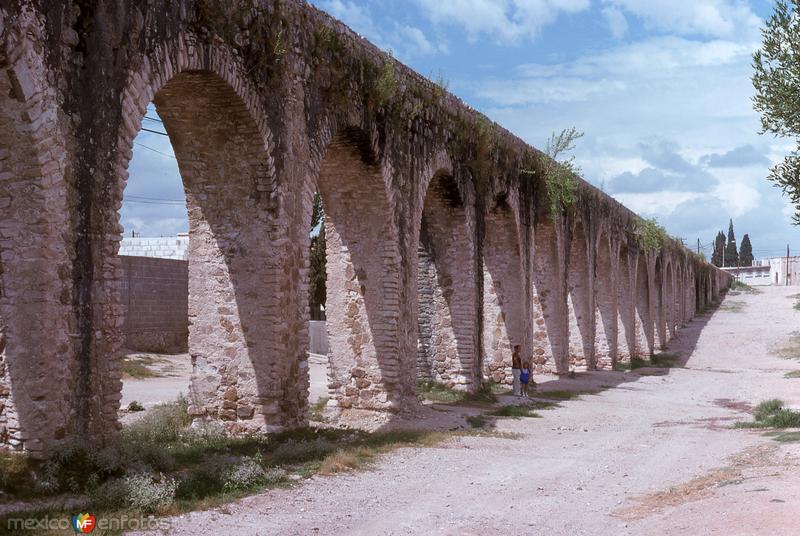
column 161, row 465
column 444, row 394
column 772, row 414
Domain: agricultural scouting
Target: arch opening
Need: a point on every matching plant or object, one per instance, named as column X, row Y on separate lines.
column 644, row 319
column 659, row 310
column 504, row 308
column 447, row 289
column 154, row 288
column 239, row 375
column 626, row 305
column 548, row 300
column 580, row 307
column 363, row 277
column 605, row 306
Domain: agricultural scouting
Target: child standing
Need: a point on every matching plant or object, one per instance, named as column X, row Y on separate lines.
column 525, row 377
column 516, row 367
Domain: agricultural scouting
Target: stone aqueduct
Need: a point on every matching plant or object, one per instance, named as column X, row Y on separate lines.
column 442, row 253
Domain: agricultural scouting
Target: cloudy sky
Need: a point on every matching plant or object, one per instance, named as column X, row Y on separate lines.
column 661, row 89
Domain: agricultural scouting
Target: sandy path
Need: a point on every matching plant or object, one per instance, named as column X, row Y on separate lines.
column 648, row 455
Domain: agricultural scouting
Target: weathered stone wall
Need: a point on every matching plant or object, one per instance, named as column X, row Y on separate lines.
column 155, row 294
column 266, row 101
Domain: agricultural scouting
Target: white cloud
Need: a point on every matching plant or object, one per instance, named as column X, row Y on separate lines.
column 617, row 23
column 354, row 16
column 503, row 21
column 714, row 18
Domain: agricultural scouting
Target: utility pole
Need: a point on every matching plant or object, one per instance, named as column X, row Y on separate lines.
column 787, row 265
column 698, row 246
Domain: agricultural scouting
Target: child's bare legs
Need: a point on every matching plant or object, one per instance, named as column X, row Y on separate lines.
column 525, row 390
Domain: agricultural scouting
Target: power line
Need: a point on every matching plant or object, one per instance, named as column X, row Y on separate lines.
column 155, row 131
column 154, row 119
column 154, row 150
column 167, row 203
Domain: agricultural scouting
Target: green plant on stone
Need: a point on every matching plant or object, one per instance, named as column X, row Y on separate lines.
column 385, row 85
column 559, row 176
column 649, row 234
column 440, row 86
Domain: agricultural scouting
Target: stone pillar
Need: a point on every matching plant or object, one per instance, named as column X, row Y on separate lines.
column 504, row 309
column 39, row 369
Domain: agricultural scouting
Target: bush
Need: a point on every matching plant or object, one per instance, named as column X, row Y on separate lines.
column 110, row 494
column 135, row 406
column 246, row 474
column 148, row 494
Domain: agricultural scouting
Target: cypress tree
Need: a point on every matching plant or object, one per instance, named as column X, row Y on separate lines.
column 317, row 270
column 746, row 252
column 731, row 254
column 719, row 246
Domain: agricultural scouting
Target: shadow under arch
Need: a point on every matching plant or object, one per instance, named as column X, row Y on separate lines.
column 644, row 319
column 580, row 309
column 549, row 299
column 40, row 377
column 673, row 305
column 504, row 310
column 447, row 291
column 605, row 304
column 246, row 371
column 363, row 276
column 626, row 306
column 659, row 309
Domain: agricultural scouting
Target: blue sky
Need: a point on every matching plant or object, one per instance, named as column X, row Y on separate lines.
column 661, row 89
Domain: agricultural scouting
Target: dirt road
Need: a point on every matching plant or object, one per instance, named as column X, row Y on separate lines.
column 647, row 454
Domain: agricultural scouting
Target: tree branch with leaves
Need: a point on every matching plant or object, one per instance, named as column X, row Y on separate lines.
column 777, row 83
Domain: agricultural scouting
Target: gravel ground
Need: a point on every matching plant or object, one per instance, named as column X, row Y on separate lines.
column 647, row 454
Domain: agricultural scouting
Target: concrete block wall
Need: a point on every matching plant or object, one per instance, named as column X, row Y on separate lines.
column 155, row 295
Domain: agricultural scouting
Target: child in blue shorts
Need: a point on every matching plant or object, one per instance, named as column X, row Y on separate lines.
column 525, row 378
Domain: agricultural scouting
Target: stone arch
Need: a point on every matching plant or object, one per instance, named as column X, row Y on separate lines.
column 224, row 151
column 700, row 293
column 363, row 275
column 675, row 313
column 644, row 317
column 548, row 299
column 626, row 316
column 504, row 309
column 605, row 291
column 447, row 290
column 38, row 370
column 659, row 305
column 580, row 307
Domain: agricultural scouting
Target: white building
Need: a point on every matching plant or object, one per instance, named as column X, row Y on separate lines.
column 781, row 267
column 758, row 274
column 173, row 247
